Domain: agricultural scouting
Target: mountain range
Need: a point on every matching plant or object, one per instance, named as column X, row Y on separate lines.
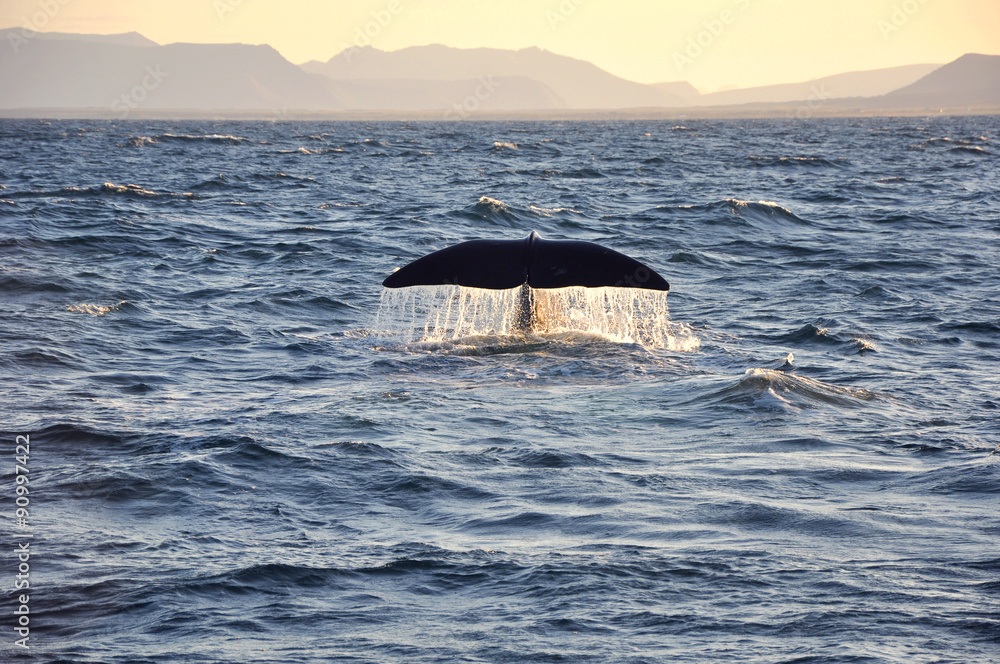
column 120, row 74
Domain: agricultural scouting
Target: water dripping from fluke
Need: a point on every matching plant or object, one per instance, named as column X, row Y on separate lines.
column 515, row 294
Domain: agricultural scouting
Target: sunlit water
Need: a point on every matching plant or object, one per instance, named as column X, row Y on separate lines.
column 455, row 314
column 243, row 449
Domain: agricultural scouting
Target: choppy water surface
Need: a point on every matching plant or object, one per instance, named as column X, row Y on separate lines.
column 229, row 465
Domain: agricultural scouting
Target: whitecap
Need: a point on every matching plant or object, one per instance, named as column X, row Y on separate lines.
column 94, row 309
column 131, row 189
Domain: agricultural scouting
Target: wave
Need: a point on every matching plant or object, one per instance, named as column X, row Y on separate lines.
column 127, row 189
column 776, row 389
column 221, row 181
column 549, row 212
column 12, row 285
column 285, row 180
column 585, row 173
column 47, row 359
column 881, row 294
column 816, row 334
column 970, row 149
column 762, row 212
column 95, row 309
column 946, row 142
column 225, row 139
column 537, row 458
column 314, row 137
column 139, row 142
column 808, row 162
column 907, row 219
column 78, row 436
column 543, row 147
column 105, row 190
column 494, row 211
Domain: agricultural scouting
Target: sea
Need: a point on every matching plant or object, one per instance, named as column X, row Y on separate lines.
column 238, row 447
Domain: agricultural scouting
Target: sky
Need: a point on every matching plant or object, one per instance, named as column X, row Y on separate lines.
column 711, row 43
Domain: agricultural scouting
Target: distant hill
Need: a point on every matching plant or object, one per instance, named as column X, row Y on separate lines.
column 972, row 80
column 871, row 83
column 575, row 83
column 682, row 90
column 62, row 73
column 17, row 35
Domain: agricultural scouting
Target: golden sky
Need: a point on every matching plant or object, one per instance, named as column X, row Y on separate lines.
column 711, row 43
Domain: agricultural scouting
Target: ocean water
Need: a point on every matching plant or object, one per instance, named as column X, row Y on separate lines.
column 241, row 450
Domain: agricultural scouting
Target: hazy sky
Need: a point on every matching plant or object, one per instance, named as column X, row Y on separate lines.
column 712, row 43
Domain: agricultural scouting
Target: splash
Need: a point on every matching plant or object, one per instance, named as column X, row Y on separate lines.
column 452, row 313
column 94, row 309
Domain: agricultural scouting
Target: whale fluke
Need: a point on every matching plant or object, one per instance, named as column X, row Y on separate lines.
column 531, row 262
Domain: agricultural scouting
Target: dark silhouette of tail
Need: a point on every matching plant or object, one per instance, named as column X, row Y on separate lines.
column 532, row 262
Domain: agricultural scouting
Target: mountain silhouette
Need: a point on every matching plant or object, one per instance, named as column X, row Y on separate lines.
column 115, row 74
column 17, row 36
column 575, row 83
column 972, row 80
column 67, row 73
column 872, row 83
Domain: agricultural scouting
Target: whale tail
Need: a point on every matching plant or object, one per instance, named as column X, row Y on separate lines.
column 531, row 262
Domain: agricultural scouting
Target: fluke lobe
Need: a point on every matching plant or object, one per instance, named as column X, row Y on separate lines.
column 534, row 262
column 529, row 263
